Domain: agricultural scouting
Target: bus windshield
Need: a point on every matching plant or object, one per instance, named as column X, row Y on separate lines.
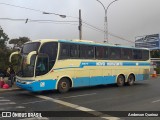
column 41, row 63
column 27, row 70
column 27, row 48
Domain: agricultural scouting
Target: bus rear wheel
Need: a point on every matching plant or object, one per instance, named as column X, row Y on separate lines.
column 130, row 80
column 120, row 81
column 63, row 85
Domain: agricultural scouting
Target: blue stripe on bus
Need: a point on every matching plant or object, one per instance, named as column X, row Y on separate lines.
column 97, row 80
column 77, row 82
column 83, row 64
column 38, row 85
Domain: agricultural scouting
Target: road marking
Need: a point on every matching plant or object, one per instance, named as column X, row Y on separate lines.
column 7, row 108
column 84, row 109
column 4, row 100
column 38, row 118
column 77, row 96
column 34, row 102
column 156, row 101
column 6, row 103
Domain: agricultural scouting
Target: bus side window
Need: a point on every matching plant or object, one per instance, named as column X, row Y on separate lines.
column 82, row 49
column 114, row 53
column 50, row 49
column 64, row 51
column 126, row 54
column 137, row 54
column 90, row 52
column 74, row 51
column 106, row 53
column 145, row 54
column 99, row 54
column 87, row 52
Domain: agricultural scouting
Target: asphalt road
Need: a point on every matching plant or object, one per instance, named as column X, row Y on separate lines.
column 90, row 101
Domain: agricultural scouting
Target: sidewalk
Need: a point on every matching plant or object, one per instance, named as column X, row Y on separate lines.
column 13, row 88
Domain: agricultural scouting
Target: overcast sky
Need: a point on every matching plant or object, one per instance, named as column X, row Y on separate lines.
column 126, row 18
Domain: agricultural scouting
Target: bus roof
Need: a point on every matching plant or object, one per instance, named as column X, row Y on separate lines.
column 88, row 42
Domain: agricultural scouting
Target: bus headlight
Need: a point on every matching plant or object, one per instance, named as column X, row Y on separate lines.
column 28, row 82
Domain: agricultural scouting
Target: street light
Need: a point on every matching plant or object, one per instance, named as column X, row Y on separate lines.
column 62, row 16
column 105, row 20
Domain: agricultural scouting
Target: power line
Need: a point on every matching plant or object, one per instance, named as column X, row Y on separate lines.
column 65, row 22
column 30, row 20
column 22, row 7
column 108, row 33
column 36, row 10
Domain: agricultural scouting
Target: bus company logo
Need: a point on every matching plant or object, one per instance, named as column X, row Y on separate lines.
column 114, row 64
column 6, row 114
column 100, row 64
column 42, row 84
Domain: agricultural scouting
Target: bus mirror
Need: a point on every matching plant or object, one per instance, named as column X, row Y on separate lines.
column 14, row 53
column 29, row 56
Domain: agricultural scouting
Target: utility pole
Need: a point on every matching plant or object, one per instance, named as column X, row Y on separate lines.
column 80, row 25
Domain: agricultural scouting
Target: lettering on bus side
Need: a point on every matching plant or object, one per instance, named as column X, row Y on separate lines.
column 100, row 64
column 84, row 63
column 114, row 64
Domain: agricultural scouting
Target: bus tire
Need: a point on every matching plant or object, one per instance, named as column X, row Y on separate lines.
column 63, row 85
column 130, row 80
column 120, row 80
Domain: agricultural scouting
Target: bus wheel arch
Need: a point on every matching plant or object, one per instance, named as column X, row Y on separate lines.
column 120, row 80
column 64, row 84
column 131, row 79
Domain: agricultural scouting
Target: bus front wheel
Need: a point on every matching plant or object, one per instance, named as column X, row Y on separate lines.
column 120, row 80
column 63, row 85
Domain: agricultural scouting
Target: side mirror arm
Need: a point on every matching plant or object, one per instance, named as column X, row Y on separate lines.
column 14, row 53
column 29, row 56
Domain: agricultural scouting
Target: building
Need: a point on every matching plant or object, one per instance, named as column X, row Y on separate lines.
column 149, row 41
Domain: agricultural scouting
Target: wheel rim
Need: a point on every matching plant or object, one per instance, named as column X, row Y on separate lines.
column 63, row 85
column 131, row 80
column 120, row 81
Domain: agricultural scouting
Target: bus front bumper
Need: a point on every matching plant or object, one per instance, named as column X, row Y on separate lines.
column 35, row 86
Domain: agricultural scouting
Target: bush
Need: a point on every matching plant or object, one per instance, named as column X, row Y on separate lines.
column 157, row 70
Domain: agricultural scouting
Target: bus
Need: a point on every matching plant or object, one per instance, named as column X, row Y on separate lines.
column 53, row 64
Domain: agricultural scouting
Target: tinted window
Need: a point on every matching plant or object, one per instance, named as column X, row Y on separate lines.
column 64, row 51
column 106, row 52
column 50, row 49
column 74, row 51
column 126, row 54
column 137, row 54
column 27, row 48
column 145, row 55
column 114, row 53
column 99, row 52
column 86, row 52
column 42, row 65
column 90, row 52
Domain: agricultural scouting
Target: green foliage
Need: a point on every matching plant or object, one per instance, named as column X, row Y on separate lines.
column 157, row 70
column 18, row 42
column 155, row 54
column 6, row 51
column 3, row 38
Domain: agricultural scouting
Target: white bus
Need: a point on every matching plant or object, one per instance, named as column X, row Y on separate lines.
column 64, row 64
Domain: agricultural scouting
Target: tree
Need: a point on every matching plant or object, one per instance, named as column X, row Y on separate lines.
column 155, row 54
column 3, row 38
column 18, row 42
column 4, row 51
